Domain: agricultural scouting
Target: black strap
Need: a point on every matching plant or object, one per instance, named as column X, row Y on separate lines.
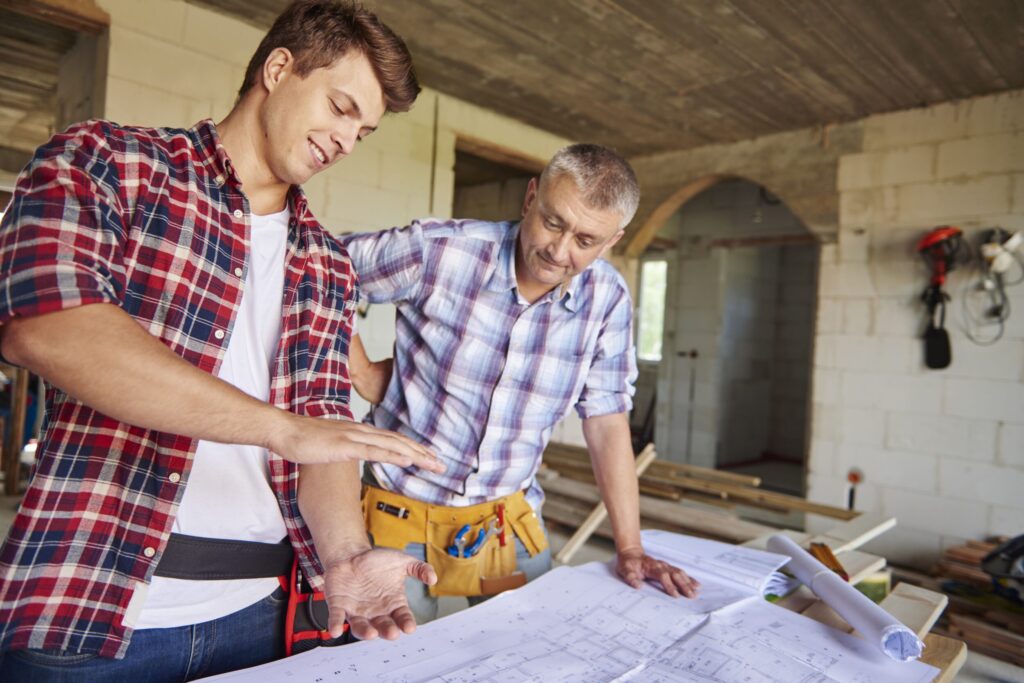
column 213, row 559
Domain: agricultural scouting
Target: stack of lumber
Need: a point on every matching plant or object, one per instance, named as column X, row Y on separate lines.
column 988, row 623
column 666, row 488
column 963, row 562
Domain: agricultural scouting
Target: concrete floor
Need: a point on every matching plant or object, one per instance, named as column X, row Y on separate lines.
column 978, row 669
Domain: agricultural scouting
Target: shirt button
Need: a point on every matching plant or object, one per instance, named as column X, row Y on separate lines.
column 219, row 334
column 238, row 272
column 174, row 477
column 238, row 213
column 150, row 551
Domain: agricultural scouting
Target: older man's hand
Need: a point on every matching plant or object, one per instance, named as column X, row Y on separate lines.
column 635, row 567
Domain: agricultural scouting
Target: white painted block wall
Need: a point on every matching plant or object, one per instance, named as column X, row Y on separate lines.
column 941, row 450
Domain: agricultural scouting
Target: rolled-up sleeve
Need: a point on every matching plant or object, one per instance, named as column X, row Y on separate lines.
column 388, row 263
column 62, row 236
column 609, row 386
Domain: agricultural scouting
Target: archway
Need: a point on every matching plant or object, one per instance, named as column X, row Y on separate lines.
column 732, row 382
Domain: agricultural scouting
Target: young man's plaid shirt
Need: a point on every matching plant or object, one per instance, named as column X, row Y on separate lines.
column 152, row 220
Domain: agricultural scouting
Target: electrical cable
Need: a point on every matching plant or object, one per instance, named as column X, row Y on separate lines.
column 984, row 302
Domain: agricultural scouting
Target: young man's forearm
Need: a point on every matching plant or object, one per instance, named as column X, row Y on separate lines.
column 105, row 359
column 611, row 455
column 101, row 356
column 329, row 496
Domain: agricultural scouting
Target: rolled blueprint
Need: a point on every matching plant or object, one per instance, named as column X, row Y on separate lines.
column 874, row 623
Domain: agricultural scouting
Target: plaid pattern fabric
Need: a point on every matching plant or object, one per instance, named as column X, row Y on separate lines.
column 480, row 375
column 152, row 220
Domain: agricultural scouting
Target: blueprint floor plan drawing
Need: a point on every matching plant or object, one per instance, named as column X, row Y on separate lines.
column 584, row 625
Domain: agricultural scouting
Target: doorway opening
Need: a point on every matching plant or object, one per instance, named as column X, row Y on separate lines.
column 732, row 380
column 490, row 182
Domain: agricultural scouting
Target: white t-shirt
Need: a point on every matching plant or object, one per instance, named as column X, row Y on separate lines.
column 228, row 494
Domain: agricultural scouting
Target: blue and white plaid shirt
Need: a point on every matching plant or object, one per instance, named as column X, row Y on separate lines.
column 481, row 375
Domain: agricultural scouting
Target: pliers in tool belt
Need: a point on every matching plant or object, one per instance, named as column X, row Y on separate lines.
column 458, row 545
column 486, row 532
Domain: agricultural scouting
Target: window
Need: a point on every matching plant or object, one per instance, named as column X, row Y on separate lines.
column 651, row 323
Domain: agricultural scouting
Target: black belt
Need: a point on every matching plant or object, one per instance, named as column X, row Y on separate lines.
column 213, row 559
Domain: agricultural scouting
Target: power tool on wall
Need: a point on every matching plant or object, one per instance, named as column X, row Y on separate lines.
column 942, row 250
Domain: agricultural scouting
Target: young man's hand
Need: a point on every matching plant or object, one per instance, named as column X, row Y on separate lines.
column 368, row 589
column 310, row 440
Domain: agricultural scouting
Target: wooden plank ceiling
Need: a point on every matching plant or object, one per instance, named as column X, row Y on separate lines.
column 656, row 75
column 30, row 51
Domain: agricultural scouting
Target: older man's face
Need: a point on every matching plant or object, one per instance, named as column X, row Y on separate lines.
column 560, row 235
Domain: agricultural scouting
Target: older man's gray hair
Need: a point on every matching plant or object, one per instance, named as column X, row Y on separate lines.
column 605, row 179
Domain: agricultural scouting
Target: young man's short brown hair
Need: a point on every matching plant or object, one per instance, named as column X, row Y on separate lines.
column 319, row 32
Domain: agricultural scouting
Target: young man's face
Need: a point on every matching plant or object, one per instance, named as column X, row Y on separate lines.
column 560, row 234
column 311, row 122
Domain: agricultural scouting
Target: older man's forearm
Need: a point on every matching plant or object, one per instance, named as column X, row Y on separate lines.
column 611, row 455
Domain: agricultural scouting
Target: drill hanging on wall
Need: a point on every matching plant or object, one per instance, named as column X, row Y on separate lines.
column 941, row 249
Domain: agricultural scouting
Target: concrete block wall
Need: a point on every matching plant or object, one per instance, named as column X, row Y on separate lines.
column 941, row 450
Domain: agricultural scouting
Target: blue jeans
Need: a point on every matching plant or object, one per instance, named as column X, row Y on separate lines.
column 254, row 635
column 424, row 606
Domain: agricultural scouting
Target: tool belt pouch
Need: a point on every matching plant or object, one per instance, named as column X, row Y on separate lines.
column 395, row 521
column 306, row 620
column 465, row 575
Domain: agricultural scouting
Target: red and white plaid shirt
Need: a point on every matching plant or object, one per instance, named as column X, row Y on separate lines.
column 152, row 220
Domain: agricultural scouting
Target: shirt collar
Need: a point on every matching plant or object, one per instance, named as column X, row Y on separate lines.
column 503, row 277
column 214, row 158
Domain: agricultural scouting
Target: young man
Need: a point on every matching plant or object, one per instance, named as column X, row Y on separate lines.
column 500, row 329
column 192, row 319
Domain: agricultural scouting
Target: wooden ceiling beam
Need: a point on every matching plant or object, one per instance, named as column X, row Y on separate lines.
column 78, row 15
column 499, row 154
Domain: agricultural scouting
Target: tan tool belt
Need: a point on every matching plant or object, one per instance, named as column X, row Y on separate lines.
column 395, row 521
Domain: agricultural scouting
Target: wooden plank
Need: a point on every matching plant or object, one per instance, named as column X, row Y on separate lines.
column 996, row 28
column 708, row 523
column 772, row 499
column 948, row 655
column 579, row 456
column 860, row 566
column 856, row 532
column 918, row 608
column 499, row 154
column 698, row 472
column 599, row 513
column 77, row 15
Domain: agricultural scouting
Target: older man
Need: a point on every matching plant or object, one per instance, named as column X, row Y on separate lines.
column 501, row 328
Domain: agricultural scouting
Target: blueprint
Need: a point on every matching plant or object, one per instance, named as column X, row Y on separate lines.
column 570, row 625
column 763, row 643
column 584, row 625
